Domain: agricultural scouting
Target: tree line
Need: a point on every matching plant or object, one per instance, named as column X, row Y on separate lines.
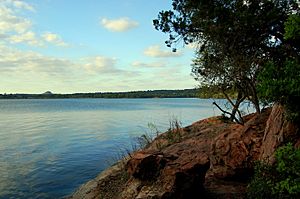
column 184, row 93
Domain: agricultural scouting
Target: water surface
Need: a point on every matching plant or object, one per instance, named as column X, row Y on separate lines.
column 49, row 147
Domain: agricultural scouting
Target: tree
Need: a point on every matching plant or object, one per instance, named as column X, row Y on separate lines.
column 280, row 79
column 235, row 38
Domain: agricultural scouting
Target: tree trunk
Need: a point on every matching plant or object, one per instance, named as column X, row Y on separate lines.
column 255, row 99
column 235, row 107
column 253, row 96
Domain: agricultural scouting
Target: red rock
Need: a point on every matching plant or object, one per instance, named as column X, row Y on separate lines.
column 277, row 130
column 145, row 166
column 177, row 172
column 235, row 149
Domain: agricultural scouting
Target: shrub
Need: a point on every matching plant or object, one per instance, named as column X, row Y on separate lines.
column 281, row 180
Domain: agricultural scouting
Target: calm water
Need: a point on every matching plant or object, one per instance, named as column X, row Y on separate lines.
column 48, row 148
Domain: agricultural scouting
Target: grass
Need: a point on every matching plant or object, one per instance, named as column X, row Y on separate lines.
column 150, row 136
column 174, row 133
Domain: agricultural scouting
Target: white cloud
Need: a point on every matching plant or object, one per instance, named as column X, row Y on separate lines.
column 148, row 65
column 29, row 71
column 15, row 28
column 54, row 39
column 15, row 60
column 118, row 25
column 156, row 51
column 10, row 22
column 21, row 5
column 100, row 64
column 27, row 37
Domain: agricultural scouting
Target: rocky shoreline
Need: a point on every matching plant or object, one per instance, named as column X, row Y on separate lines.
column 211, row 158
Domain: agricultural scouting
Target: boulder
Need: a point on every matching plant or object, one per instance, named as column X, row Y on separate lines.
column 177, row 172
column 234, row 151
column 277, row 132
column 145, row 166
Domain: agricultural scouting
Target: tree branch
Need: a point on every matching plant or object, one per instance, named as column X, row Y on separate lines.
column 226, row 112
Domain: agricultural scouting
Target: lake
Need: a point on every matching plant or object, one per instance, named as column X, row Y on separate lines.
column 49, row 147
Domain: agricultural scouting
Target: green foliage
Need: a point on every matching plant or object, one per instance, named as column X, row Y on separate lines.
column 280, row 78
column 282, row 180
column 288, row 160
column 209, row 91
column 261, row 185
column 292, row 27
column 281, row 84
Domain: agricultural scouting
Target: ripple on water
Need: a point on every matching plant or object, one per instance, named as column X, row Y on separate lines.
column 50, row 147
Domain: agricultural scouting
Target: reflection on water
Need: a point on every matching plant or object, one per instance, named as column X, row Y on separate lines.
column 50, row 147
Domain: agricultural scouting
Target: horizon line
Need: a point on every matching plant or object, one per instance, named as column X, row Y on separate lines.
column 50, row 92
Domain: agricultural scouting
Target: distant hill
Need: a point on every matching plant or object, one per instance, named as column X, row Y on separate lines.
column 183, row 93
column 48, row 93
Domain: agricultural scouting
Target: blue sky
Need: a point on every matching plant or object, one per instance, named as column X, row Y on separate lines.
column 68, row 46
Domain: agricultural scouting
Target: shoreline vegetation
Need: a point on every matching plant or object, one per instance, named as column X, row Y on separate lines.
column 180, row 93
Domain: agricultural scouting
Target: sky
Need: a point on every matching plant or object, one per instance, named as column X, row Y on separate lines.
column 70, row 46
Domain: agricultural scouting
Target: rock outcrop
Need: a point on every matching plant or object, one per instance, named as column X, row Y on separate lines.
column 235, row 150
column 174, row 174
column 278, row 130
column 210, row 158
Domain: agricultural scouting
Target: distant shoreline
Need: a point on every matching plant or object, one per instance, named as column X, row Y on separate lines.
column 183, row 93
